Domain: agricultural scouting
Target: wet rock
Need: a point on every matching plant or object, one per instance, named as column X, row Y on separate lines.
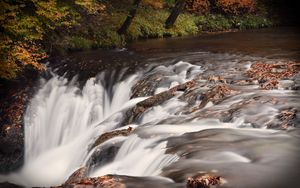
column 204, row 181
column 286, row 115
column 216, row 94
column 192, row 95
column 286, row 84
column 296, row 84
column 120, row 181
column 217, row 79
column 77, row 176
column 106, row 153
column 106, row 136
column 246, row 82
column 146, row 86
column 12, row 109
column 270, row 84
column 287, row 118
column 107, row 181
column 103, row 155
column 269, row 74
column 9, row 185
column 148, row 182
column 155, row 100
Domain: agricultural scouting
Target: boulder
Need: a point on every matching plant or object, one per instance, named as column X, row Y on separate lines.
column 216, row 94
column 269, row 74
column 76, row 176
column 12, row 110
column 146, row 86
column 155, row 100
column 107, row 181
column 204, row 181
column 106, row 136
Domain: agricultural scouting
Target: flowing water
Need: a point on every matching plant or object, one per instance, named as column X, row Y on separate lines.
column 169, row 142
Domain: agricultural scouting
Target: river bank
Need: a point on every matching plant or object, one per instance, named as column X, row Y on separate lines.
column 59, row 28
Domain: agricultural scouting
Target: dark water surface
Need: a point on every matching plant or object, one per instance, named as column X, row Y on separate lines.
column 268, row 43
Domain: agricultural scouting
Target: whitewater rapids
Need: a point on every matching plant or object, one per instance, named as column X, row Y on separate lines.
column 64, row 119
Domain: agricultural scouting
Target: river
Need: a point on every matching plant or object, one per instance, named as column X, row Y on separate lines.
column 239, row 134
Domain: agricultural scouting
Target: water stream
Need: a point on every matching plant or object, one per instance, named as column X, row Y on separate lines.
column 65, row 117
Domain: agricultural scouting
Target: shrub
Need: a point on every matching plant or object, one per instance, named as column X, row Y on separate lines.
column 198, row 6
column 213, row 23
column 236, row 7
column 91, row 6
column 250, row 22
column 145, row 26
column 24, row 24
column 79, row 43
column 156, row 4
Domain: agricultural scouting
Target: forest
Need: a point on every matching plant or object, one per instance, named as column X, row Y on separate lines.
column 31, row 31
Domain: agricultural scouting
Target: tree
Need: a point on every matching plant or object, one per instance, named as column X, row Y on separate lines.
column 24, row 24
column 129, row 18
column 213, row 5
column 180, row 4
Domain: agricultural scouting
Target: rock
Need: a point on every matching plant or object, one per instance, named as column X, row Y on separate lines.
column 10, row 185
column 286, row 84
column 287, row 118
column 106, row 136
column 246, row 82
column 77, row 176
column 204, row 181
column 192, row 95
column 216, row 94
column 146, row 86
column 296, row 84
column 155, row 100
column 217, row 79
column 107, row 181
column 270, row 84
column 269, row 74
column 12, row 109
column 103, row 155
column 106, row 153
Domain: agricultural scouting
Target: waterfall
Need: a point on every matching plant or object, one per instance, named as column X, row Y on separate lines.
column 60, row 123
column 63, row 120
column 138, row 157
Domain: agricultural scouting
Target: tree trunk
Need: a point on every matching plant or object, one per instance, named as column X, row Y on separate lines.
column 213, row 6
column 180, row 4
column 129, row 18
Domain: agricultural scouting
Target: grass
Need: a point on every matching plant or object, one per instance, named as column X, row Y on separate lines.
column 149, row 23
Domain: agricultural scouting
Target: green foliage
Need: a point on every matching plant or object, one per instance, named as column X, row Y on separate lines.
column 24, row 25
column 109, row 38
column 170, row 2
column 213, row 23
column 53, row 15
column 78, row 43
column 250, row 22
column 91, row 6
column 145, row 26
column 186, row 25
column 220, row 22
